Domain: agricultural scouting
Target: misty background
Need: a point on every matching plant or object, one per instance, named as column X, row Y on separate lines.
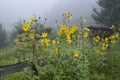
column 11, row 11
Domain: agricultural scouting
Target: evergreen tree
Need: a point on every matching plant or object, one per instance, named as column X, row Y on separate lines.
column 109, row 13
column 3, row 37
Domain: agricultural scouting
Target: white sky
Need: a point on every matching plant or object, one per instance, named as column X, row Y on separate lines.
column 13, row 10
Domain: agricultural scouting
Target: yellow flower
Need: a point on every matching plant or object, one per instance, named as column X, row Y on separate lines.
column 73, row 36
column 113, row 26
column 112, row 37
column 99, row 52
column 106, row 40
column 17, row 40
column 84, row 20
column 69, row 16
column 32, row 20
column 86, row 34
column 117, row 35
column 113, row 41
column 104, row 46
column 57, row 51
column 68, row 38
column 76, row 54
column 69, row 41
column 67, row 32
column 44, row 34
column 26, row 27
column 31, row 35
column 63, row 28
column 73, row 29
column 87, row 29
column 45, row 42
column 65, row 13
column 54, row 41
column 96, row 39
column 60, row 32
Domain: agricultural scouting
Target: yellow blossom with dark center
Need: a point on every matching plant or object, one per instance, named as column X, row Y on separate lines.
column 26, row 27
column 32, row 20
column 112, row 37
column 44, row 34
column 69, row 16
column 63, row 27
column 104, row 46
column 96, row 39
column 112, row 27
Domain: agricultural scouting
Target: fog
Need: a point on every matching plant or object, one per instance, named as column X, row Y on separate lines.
column 11, row 11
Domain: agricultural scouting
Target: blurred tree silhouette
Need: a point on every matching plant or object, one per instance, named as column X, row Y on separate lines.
column 109, row 13
column 16, row 31
column 3, row 37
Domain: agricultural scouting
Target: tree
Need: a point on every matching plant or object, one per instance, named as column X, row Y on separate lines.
column 109, row 13
column 3, row 37
column 16, row 30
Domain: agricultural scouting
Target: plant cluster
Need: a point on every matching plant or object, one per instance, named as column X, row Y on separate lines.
column 69, row 56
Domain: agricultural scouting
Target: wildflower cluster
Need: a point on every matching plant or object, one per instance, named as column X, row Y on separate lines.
column 68, row 32
column 30, row 40
column 107, row 41
column 67, row 15
column 70, row 51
